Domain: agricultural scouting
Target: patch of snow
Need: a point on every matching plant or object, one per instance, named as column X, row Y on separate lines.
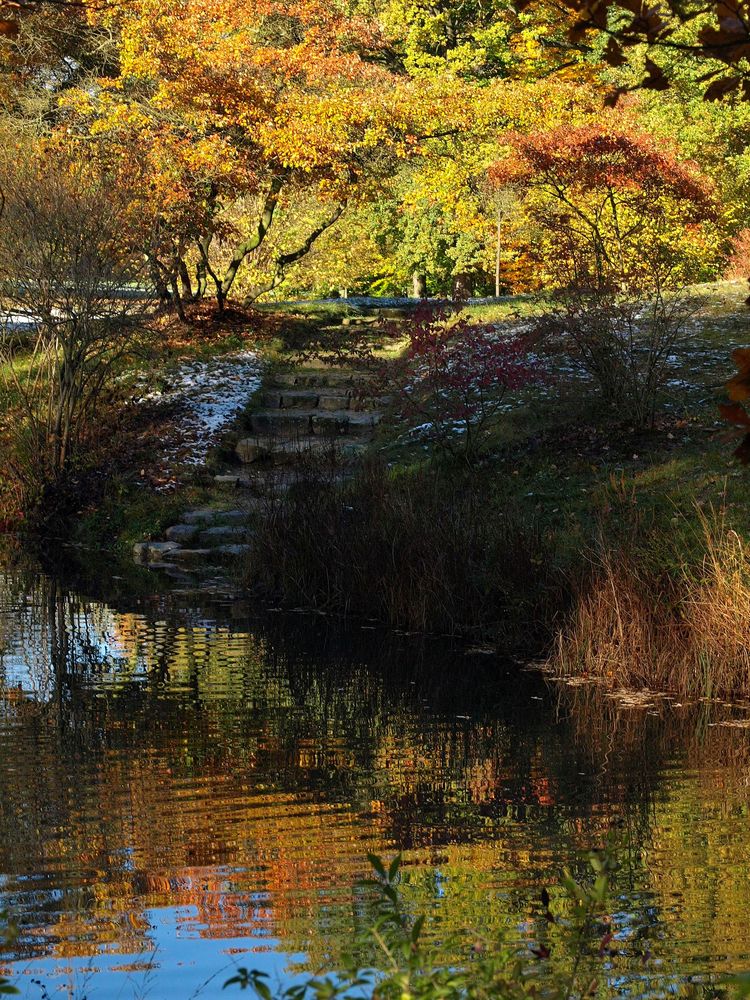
column 209, row 393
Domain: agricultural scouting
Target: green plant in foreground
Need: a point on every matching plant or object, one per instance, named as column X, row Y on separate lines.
column 412, row 967
column 7, row 937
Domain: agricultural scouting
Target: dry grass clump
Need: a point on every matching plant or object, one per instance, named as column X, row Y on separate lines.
column 418, row 550
column 683, row 630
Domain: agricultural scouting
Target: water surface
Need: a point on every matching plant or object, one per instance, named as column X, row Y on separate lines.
column 189, row 785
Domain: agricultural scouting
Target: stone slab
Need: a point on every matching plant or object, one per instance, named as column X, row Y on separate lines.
column 183, row 534
column 153, row 551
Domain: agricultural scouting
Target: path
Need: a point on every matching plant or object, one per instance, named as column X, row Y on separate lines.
column 306, row 418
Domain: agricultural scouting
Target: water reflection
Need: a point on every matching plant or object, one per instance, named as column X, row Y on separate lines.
column 180, row 785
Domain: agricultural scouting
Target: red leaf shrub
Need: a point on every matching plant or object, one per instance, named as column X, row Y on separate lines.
column 451, row 379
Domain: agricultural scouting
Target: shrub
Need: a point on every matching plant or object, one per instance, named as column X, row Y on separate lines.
column 65, row 263
column 450, row 378
column 625, row 343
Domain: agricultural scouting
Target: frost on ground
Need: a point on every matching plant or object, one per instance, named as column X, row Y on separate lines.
column 207, row 396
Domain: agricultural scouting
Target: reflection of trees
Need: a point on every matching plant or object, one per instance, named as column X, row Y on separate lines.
column 243, row 770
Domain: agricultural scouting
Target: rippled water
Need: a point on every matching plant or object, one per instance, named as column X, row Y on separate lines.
column 185, row 788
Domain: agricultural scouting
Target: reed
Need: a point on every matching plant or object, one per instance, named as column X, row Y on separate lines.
column 685, row 630
column 420, row 550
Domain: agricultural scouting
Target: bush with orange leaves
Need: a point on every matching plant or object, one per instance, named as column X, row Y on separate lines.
column 620, row 225
column 609, row 206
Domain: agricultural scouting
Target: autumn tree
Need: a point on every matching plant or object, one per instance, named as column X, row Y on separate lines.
column 620, row 225
column 254, row 102
column 609, row 205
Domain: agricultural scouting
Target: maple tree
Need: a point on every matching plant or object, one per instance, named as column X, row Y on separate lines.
column 620, row 225
column 611, row 205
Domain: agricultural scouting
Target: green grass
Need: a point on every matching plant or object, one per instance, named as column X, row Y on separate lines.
column 563, row 458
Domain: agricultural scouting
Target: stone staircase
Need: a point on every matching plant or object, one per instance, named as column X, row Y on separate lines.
column 306, row 418
column 311, row 411
column 201, row 551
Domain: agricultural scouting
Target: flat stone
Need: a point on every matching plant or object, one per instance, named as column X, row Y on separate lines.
column 250, row 450
column 345, row 422
column 153, row 551
column 337, row 381
column 281, row 422
column 238, row 481
column 290, row 399
column 191, row 556
column 232, row 550
column 184, row 534
column 334, row 402
column 222, row 533
column 271, row 398
column 209, row 515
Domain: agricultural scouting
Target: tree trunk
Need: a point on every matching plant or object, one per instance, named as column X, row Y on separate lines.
column 246, row 247
column 419, row 286
column 498, row 249
column 187, row 287
column 463, row 287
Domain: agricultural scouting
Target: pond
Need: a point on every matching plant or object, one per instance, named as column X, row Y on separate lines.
column 190, row 784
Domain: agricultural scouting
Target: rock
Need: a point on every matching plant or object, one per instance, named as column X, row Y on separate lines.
column 232, row 551
column 153, row 551
column 250, row 450
column 346, row 422
column 299, row 399
column 238, row 481
column 222, row 533
column 281, row 423
column 334, row 402
column 209, row 515
column 190, row 557
column 182, row 533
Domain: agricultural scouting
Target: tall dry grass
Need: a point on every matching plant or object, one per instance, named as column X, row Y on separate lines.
column 421, row 551
column 684, row 630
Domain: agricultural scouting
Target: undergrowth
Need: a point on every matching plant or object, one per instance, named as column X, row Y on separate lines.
column 647, row 613
column 425, row 551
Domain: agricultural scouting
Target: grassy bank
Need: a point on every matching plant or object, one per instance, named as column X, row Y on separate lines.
column 127, row 481
column 618, row 552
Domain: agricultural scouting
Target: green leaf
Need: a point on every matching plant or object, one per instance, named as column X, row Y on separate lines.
column 393, row 870
column 241, row 979
column 377, row 865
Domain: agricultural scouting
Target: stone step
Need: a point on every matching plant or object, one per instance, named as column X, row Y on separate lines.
column 353, row 423
column 322, row 379
column 207, row 516
column 205, row 560
column 191, row 557
column 304, row 399
column 232, row 551
column 276, row 452
column 222, row 534
column 183, row 534
column 282, row 423
column 234, row 480
column 290, row 399
column 286, row 423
